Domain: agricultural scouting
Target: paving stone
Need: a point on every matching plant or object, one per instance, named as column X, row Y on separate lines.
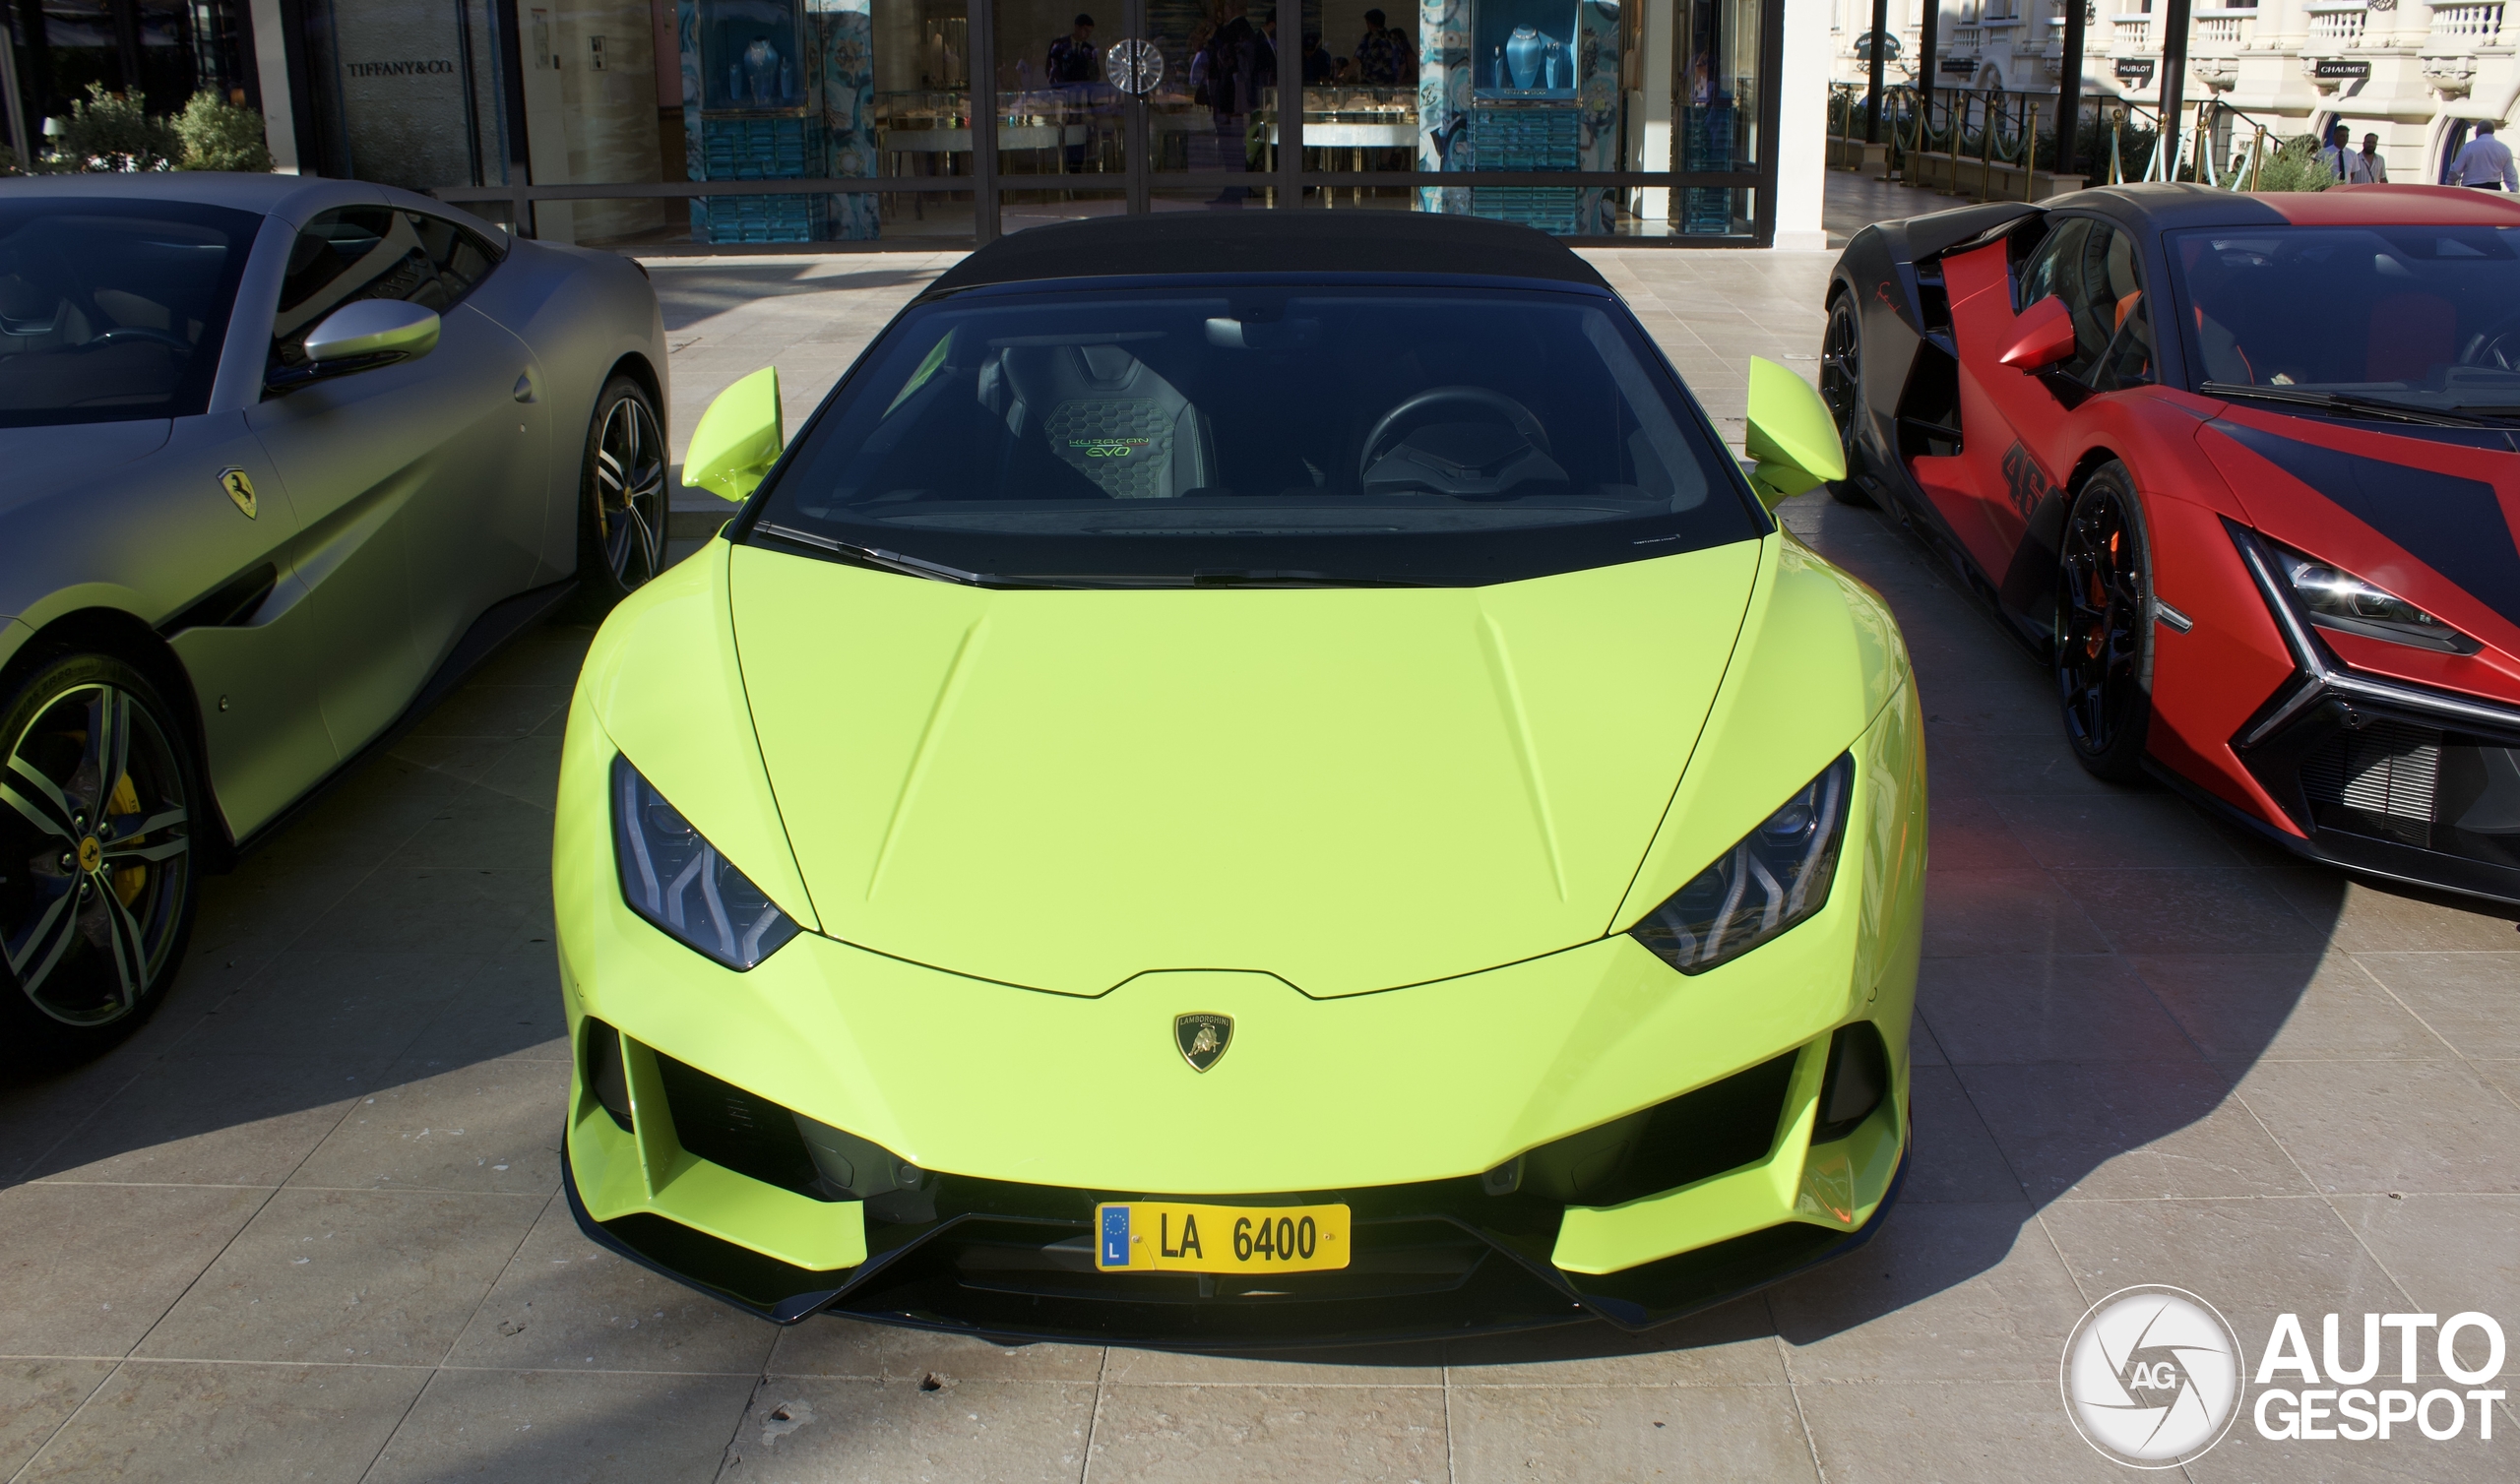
column 2451, row 1253
column 1985, row 1432
column 1261, row 1434
column 1980, row 914
column 492, row 1126
column 2286, row 1007
column 565, row 1304
column 1580, row 1433
column 2365, row 917
column 2047, row 1008
column 1127, row 1367
column 835, row 1347
column 2465, row 998
column 2251, row 1260
column 554, row 1427
column 215, row 1120
column 1943, row 1293
column 86, row 1269
column 188, row 1423
column 1969, row 834
column 2118, row 827
column 384, row 1277
column 2375, row 1127
column 1731, row 1345
column 2189, row 910
column 330, row 1000
column 37, row 1396
column 1951, row 1156
column 2128, row 1130
column 825, row 1429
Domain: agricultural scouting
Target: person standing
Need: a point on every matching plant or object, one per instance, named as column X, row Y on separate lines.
column 1384, row 57
column 2484, row 162
column 2372, row 165
column 2344, row 165
column 1074, row 58
column 1075, row 66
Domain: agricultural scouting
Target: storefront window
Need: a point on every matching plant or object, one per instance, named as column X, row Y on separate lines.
column 1586, row 118
column 166, row 50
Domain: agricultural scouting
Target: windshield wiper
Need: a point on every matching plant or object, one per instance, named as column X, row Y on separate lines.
column 1240, row 576
column 1206, row 576
column 2345, row 402
column 894, row 561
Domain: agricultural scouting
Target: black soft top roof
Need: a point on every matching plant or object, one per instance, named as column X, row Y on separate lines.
column 1261, row 241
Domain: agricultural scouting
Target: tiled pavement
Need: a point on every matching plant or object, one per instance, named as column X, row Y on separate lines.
column 306, row 1225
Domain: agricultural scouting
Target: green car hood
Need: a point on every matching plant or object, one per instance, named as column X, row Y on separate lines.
column 1350, row 788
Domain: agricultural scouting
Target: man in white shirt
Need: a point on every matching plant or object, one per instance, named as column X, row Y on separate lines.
column 2373, row 163
column 2484, row 162
column 2344, row 165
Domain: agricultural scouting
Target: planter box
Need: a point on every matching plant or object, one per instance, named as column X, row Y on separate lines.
column 1987, row 181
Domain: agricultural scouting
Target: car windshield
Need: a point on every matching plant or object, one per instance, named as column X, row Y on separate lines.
column 113, row 310
column 1260, row 433
column 2425, row 317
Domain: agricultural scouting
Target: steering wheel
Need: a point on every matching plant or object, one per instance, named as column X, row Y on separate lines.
column 1495, row 401
column 122, row 334
column 2497, row 345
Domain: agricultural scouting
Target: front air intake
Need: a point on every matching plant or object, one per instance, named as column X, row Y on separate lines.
column 2380, row 779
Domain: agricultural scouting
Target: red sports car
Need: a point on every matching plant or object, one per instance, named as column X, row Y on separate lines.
column 2246, row 469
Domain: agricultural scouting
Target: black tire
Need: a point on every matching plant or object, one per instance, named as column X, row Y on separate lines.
column 2103, row 655
column 1842, row 388
column 622, row 497
column 100, row 809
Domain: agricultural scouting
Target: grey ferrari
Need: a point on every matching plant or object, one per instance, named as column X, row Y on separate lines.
column 283, row 459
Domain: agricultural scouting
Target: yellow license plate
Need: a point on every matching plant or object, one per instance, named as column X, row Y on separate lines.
column 1171, row 1236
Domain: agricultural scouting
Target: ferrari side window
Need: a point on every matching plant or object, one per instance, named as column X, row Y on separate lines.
column 371, row 252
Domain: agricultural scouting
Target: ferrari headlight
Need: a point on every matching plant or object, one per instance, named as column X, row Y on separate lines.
column 2337, row 599
column 1776, row 877
column 677, row 880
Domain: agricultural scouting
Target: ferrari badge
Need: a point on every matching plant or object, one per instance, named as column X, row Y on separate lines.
column 239, row 489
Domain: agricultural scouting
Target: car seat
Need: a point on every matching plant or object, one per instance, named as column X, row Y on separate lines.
column 1105, row 413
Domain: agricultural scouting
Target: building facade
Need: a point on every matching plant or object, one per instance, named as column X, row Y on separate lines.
column 2420, row 74
column 854, row 123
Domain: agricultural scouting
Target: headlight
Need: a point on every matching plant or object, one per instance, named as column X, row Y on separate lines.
column 1777, row 875
column 677, row 880
column 2338, row 600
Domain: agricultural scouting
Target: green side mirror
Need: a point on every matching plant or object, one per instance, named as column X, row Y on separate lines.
column 738, row 438
column 1792, row 434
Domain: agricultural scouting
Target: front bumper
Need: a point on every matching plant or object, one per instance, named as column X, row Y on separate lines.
column 1440, row 1260
column 1019, row 1110
column 2382, row 775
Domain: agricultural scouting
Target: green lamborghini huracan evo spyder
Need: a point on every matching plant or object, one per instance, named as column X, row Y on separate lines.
column 1246, row 779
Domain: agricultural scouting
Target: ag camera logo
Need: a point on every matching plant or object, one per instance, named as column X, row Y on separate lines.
column 2152, row 1375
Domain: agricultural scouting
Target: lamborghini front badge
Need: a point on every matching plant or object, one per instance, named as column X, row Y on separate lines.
column 1202, row 1037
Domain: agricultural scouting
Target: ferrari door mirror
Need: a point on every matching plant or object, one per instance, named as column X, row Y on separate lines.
column 1793, row 438
column 738, row 438
column 360, row 336
column 372, row 332
column 2043, row 336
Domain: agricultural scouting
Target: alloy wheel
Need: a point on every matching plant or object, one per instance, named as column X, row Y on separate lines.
column 1842, row 371
column 630, row 493
column 2100, row 611
column 97, row 849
